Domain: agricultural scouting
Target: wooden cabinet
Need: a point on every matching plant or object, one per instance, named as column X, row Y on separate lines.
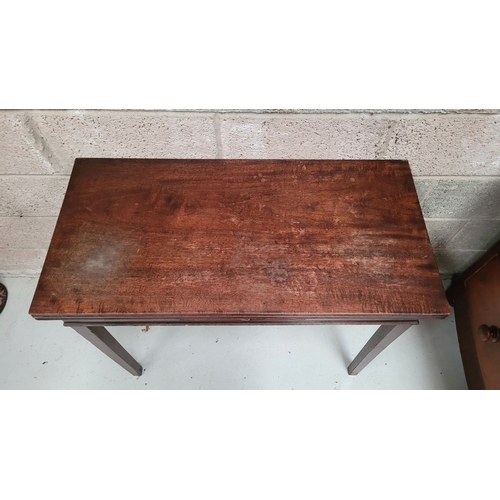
column 475, row 295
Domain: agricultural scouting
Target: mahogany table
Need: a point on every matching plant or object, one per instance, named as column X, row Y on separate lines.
column 163, row 242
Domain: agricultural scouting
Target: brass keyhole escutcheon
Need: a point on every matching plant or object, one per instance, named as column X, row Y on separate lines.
column 489, row 333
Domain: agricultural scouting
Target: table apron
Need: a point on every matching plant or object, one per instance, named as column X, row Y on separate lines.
column 240, row 322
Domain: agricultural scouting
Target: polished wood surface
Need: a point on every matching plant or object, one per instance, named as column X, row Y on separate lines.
column 475, row 295
column 267, row 241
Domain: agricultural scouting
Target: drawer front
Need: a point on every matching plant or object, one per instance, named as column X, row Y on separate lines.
column 483, row 299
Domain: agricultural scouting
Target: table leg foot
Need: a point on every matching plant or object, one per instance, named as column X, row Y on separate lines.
column 103, row 340
column 380, row 340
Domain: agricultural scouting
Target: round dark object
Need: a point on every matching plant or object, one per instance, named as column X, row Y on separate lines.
column 3, row 296
column 489, row 333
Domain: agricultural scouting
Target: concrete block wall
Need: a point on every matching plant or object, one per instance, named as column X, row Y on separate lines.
column 454, row 156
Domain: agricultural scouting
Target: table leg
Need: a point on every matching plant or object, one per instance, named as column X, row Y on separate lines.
column 103, row 340
column 380, row 340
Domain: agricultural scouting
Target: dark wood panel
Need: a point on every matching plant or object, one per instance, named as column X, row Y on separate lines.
column 475, row 296
column 466, row 342
column 483, row 298
column 185, row 239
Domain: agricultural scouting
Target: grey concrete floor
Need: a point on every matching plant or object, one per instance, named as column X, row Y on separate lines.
column 46, row 355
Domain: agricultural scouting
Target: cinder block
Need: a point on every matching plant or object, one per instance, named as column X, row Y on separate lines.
column 441, row 231
column 423, row 186
column 38, row 196
column 459, row 144
column 453, row 261
column 18, row 154
column 477, row 235
column 303, row 136
column 464, row 199
column 21, row 262
column 26, row 232
column 129, row 135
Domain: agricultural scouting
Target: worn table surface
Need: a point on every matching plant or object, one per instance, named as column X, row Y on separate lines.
column 269, row 241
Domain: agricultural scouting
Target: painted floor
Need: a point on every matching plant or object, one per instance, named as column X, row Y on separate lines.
column 46, row 355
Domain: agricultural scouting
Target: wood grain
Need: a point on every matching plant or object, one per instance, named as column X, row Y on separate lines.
column 213, row 240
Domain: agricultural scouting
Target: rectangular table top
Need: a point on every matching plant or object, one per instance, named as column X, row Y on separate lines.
column 213, row 241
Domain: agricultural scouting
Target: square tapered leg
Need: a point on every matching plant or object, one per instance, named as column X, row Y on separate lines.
column 384, row 336
column 103, row 340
